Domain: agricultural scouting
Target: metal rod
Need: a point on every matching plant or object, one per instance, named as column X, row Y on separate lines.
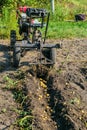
column 46, row 27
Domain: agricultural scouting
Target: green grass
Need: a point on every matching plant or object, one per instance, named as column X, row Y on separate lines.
column 7, row 22
column 56, row 29
column 64, row 29
column 58, row 26
column 81, row 2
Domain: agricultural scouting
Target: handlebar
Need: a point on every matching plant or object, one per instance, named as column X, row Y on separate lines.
column 36, row 12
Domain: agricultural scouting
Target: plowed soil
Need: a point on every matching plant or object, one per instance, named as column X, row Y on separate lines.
column 56, row 97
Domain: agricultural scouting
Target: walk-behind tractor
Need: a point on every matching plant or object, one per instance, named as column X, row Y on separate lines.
column 30, row 22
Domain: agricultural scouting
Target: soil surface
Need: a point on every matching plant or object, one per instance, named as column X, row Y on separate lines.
column 56, row 97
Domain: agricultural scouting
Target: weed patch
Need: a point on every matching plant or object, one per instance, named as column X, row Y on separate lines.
column 24, row 120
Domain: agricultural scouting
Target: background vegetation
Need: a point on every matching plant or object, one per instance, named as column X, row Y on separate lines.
column 61, row 25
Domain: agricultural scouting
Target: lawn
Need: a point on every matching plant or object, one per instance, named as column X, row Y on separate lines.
column 67, row 29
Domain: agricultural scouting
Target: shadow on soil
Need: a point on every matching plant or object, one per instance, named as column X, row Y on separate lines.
column 59, row 109
column 5, row 58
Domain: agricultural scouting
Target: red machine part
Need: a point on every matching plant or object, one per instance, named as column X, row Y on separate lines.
column 23, row 8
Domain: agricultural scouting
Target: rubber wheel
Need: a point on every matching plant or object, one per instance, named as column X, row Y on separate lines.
column 53, row 55
column 50, row 53
column 16, row 56
column 46, row 53
column 12, row 38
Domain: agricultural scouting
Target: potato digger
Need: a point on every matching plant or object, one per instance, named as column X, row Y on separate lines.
column 30, row 22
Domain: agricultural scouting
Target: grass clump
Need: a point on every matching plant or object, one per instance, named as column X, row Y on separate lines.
column 10, row 83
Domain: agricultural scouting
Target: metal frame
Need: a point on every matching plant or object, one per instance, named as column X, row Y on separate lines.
column 26, row 44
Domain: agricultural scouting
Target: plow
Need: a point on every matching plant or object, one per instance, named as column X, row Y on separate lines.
column 33, row 26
